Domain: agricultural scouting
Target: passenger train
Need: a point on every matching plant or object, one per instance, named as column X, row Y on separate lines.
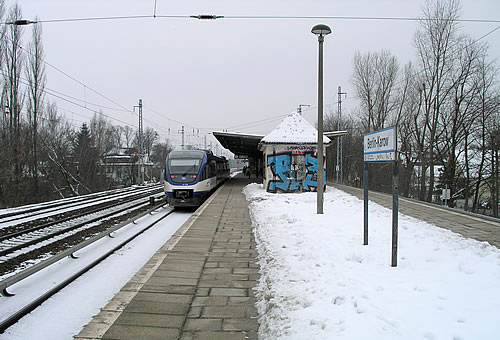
column 192, row 175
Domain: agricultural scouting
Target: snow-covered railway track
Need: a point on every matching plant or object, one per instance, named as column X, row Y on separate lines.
column 37, row 235
column 21, row 250
column 16, row 310
column 8, row 216
column 23, row 219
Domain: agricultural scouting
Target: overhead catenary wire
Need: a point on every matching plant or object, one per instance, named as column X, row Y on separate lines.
column 75, row 101
column 262, row 121
column 270, row 17
column 25, row 82
column 171, row 119
column 48, row 90
column 74, row 79
column 456, row 51
column 261, row 17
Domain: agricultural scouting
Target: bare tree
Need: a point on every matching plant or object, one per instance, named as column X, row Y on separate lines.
column 128, row 134
column 105, row 135
column 409, row 134
column 435, row 42
column 159, row 153
column 2, row 34
column 13, row 101
column 149, row 138
column 352, row 157
column 35, row 74
column 374, row 80
column 58, row 165
column 459, row 114
column 484, row 134
column 4, row 152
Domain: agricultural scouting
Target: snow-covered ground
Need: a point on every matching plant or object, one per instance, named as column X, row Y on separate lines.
column 64, row 315
column 318, row 281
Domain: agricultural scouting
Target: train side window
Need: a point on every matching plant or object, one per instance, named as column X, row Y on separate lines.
column 211, row 168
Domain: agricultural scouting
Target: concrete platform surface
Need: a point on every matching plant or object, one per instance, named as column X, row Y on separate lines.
column 198, row 286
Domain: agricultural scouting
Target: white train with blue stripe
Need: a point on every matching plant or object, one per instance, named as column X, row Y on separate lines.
column 192, row 175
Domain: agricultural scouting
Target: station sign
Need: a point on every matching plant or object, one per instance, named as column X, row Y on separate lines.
column 380, row 146
column 241, row 157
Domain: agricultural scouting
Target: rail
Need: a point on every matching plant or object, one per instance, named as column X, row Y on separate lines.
column 7, row 322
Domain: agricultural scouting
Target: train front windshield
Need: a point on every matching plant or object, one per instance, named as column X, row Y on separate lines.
column 184, row 166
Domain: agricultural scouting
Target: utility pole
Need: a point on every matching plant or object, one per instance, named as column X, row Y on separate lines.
column 339, row 140
column 182, row 143
column 299, row 109
column 140, row 170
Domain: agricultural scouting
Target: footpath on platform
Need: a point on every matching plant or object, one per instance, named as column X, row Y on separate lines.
column 198, row 286
column 469, row 225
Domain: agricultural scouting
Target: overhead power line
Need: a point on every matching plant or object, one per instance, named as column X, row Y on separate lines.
column 171, row 119
column 453, row 52
column 262, row 17
column 258, row 122
column 361, row 18
column 74, row 79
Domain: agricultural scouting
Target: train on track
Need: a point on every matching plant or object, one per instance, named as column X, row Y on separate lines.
column 192, row 175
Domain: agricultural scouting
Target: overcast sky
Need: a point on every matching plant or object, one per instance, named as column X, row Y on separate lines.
column 230, row 73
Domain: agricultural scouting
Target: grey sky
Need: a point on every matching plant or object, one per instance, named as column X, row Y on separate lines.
column 225, row 73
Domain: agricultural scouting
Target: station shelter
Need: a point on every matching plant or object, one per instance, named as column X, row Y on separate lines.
column 290, row 156
column 286, row 157
column 245, row 147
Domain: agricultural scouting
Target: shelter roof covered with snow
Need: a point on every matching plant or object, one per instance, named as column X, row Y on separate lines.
column 294, row 129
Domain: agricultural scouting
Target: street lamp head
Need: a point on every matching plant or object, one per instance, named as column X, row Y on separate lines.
column 321, row 30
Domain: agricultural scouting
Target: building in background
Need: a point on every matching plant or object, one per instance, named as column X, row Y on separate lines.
column 120, row 167
column 290, row 156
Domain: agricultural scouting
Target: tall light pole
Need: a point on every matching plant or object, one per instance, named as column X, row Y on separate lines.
column 320, row 31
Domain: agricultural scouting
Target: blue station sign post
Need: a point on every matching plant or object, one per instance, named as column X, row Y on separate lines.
column 381, row 146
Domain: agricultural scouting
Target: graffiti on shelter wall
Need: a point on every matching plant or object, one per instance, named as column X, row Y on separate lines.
column 293, row 171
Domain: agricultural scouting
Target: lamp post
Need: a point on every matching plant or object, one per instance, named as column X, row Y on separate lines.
column 320, row 31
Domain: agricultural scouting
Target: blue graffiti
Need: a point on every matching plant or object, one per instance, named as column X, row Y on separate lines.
column 280, row 166
column 285, row 176
column 311, row 180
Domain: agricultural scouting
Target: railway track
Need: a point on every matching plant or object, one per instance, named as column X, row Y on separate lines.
column 23, row 245
column 13, row 237
column 26, row 252
column 22, row 218
column 30, row 211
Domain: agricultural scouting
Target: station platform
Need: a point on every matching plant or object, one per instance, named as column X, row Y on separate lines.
column 478, row 227
column 198, row 286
